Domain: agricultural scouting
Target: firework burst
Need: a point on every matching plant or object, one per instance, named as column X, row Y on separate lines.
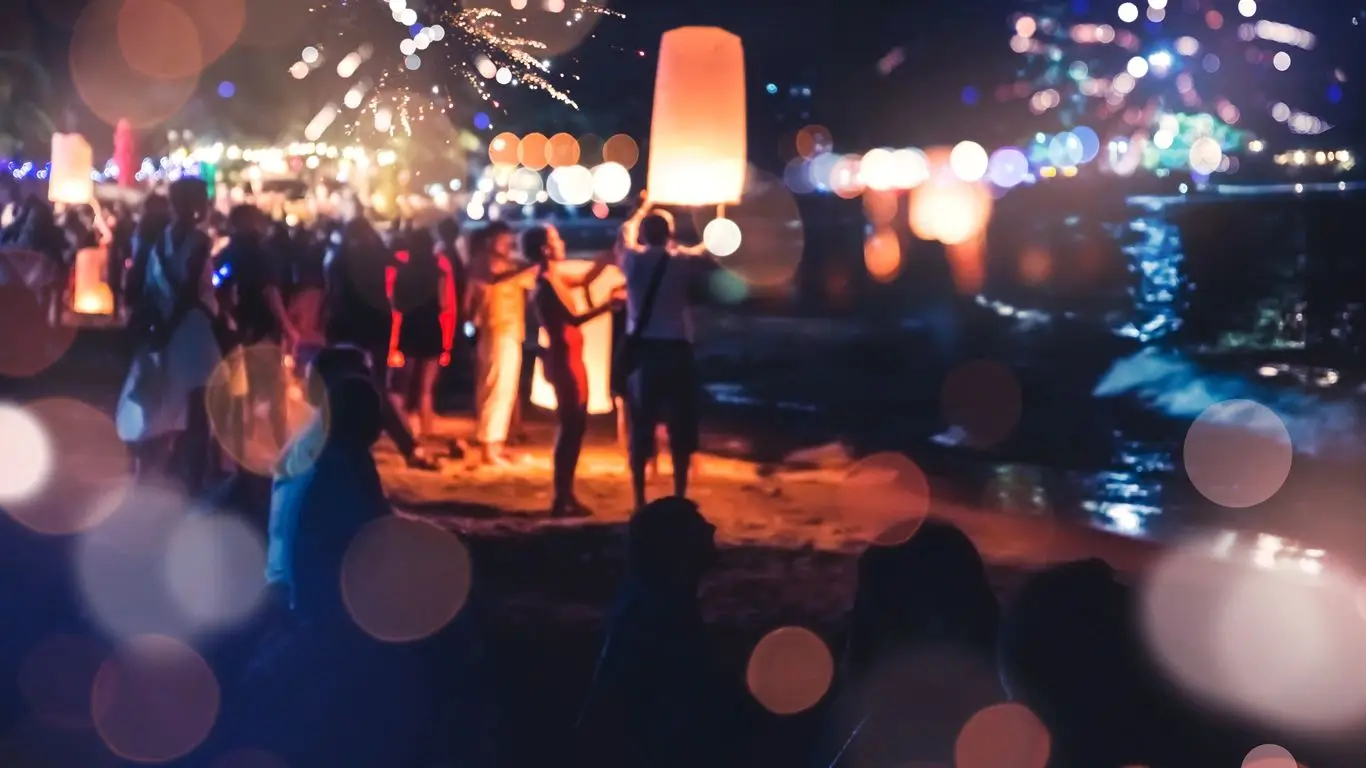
column 484, row 47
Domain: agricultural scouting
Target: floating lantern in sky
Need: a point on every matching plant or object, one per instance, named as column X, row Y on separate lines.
column 698, row 131
column 72, row 163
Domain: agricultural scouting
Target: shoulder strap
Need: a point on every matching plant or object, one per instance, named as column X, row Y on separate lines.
column 647, row 306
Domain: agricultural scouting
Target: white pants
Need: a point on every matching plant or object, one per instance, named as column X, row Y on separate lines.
column 497, row 379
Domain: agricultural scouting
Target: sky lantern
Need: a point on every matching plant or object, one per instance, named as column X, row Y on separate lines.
column 697, row 134
column 90, row 294
column 597, row 341
column 73, row 162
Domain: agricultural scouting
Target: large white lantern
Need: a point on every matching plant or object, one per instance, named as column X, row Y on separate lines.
column 597, row 341
column 697, row 133
column 73, row 162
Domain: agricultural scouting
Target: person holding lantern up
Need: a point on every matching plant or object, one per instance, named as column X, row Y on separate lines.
column 655, row 368
column 563, row 358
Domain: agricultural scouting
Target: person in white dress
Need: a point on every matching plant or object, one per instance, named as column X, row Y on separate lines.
column 161, row 410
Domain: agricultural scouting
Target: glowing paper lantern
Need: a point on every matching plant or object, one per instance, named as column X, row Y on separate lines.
column 597, row 342
column 91, row 294
column 697, row 134
column 73, row 162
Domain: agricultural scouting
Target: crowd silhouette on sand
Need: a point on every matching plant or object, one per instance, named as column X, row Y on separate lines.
column 932, row 671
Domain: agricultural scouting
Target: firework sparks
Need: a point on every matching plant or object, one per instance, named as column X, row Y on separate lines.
column 464, row 39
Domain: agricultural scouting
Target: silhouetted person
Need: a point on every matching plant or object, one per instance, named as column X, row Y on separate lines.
column 920, row 658
column 358, row 270
column 563, row 360
column 1070, row 651
column 161, row 410
column 657, row 698
column 322, row 692
column 663, row 384
column 424, row 300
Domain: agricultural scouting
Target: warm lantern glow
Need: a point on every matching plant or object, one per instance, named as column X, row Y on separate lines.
column 697, row 136
column 950, row 211
column 91, row 294
column 72, row 163
column 597, row 342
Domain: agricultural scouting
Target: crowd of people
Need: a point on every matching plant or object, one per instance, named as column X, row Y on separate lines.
column 374, row 317
column 197, row 287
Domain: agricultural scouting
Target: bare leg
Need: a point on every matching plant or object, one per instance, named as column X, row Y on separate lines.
column 427, row 396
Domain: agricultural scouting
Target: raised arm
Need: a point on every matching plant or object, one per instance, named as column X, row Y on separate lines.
column 629, row 234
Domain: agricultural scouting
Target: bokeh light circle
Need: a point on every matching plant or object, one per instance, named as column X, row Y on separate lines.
column 155, row 700
column 571, row 185
column 722, row 237
column 611, row 183
column 562, row 150
column 969, row 161
column 524, row 185
column 532, row 151
column 32, row 343
column 882, row 255
column 790, row 670
column 1090, row 142
column 1065, row 149
column 622, row 150
column 887, row 494
column 120, row 566
column 108, row 84
column 983, row 399
column 1259, row 635
column 911, row 168
column 404, row 580
column 26, row 460
column 949, row 210
column 1238, row 453
column 56, row 677
column 505, row 149
column 91, row 470
column 774, row 234
column 1003, row 735
column 215, row 569
column 1206, row 155
column 159, row 40
column 1270, row 756
column 257, row 409
column 879, row 170
column 813, row 140
column 1007, row 168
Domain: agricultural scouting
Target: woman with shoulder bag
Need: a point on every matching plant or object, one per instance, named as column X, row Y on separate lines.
column 161, row 410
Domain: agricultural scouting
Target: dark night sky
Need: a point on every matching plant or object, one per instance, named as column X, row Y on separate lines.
column 831, row 45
